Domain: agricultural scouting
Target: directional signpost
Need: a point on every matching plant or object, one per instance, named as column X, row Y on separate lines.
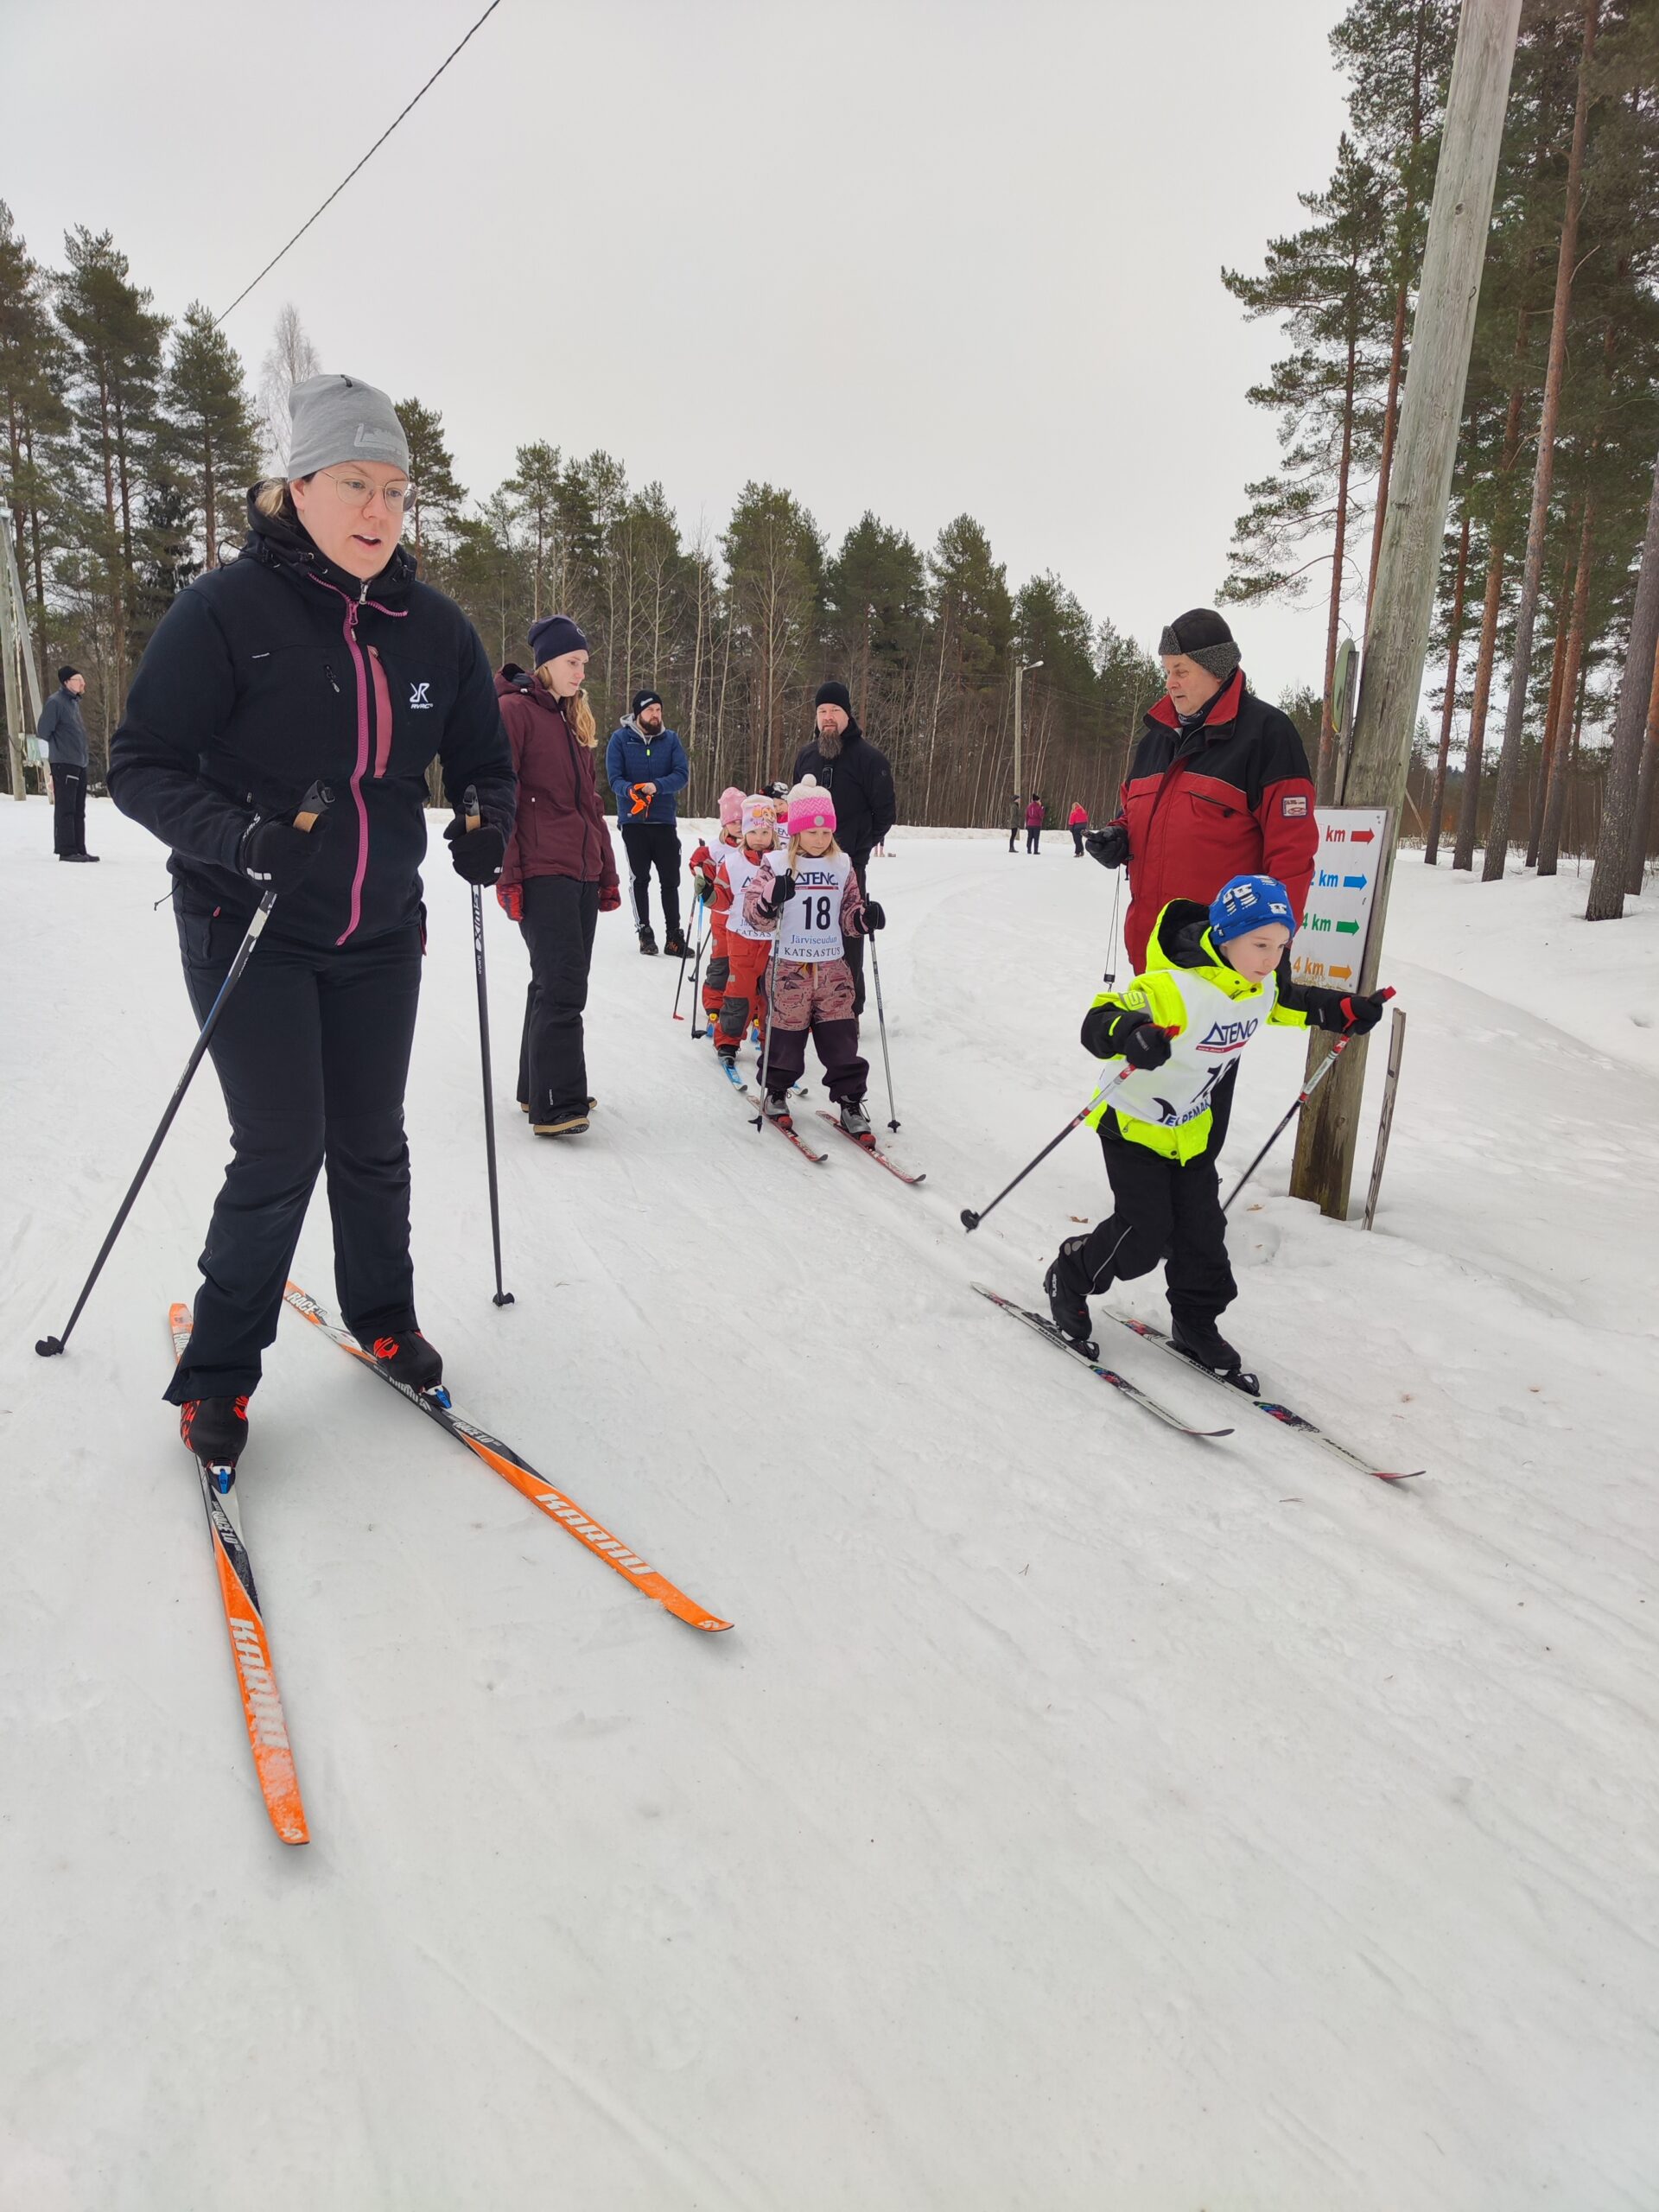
column 1329, row 948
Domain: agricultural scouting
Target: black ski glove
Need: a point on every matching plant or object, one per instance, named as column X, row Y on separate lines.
column 479, row 855
column 1144, row 1045
column 874, row 916
column 276, row 855
column 783, row 891
column 1359, row 1016
column 1109, row 846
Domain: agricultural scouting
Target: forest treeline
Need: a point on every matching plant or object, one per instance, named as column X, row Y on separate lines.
column 131, row 437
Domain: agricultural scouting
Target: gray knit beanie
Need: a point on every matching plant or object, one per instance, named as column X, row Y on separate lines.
column 339, row 419
column 1205, row 637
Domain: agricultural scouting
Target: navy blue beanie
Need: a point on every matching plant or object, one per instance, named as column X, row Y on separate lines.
column 1249, row 902
column 554, row 635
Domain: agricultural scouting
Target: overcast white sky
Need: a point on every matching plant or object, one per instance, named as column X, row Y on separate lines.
column 916, row 257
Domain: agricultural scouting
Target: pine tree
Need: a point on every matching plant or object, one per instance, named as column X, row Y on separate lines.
column 774, row 564
column 211, row 439
column 1331, row 282
column 534, row 490
column 32, row 366
column 434, row 494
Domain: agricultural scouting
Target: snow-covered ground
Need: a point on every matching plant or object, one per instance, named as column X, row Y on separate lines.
column 1076, row 1816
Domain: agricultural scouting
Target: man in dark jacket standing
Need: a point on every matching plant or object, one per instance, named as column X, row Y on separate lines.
column 64, row 735
column 645, row 765
column 858, row 777
column 1218, row 787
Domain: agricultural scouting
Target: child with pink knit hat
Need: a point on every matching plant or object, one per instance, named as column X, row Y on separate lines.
column 810, row 910
column 747, row 946
column 705, row 866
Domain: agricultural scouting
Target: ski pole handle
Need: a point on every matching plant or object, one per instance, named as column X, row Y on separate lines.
column 469, row 808
column 316, row 804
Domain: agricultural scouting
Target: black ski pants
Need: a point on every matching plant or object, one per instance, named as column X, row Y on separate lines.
column 1033, row 836
column 559, row 919
column 68, row 810
column 1163, row 1211
column 1079, row 831
column 653, row 845
column 312, row 1054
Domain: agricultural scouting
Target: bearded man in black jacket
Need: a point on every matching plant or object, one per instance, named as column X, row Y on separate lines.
column 858, row 777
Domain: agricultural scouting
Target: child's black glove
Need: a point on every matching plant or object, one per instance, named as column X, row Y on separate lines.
column 1109, row 846
column 1361, row 1015
column 1144, row 1045
column 874, row 916
column 783, row 891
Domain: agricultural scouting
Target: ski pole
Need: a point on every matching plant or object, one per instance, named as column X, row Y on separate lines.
column 766, row 1050
column 685, row 954
column 469, row 805
column 1111, row 977
column 970, row 1220
column 881, row 1024
column 696, row 973
column 1297, row 1105
column 315, row 803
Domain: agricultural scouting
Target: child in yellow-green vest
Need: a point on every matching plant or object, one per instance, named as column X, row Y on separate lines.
column 1214, row 978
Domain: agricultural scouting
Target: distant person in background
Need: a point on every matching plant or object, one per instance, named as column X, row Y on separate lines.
column 646, row 768
column 64, row 735
column 858, row 778
column 560, row 872
column 1077, row 821
column 1036, row 815
column 1016, row 822
column 1218, row 787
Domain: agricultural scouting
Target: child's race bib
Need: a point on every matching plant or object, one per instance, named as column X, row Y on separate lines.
column 811, row 925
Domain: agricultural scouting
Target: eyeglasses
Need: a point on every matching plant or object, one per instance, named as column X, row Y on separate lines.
column 356, row 491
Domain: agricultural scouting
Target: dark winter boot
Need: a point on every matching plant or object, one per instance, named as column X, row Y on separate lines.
column 215, row 1429
column 1197, row 1335
column 408, row 1358
column 675, row 945
column 647, row 942
column 1068, row 1286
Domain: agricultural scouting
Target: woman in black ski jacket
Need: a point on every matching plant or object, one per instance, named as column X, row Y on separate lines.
column 316, row 658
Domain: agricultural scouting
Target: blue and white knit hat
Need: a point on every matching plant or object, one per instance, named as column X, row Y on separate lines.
column 1249, row 902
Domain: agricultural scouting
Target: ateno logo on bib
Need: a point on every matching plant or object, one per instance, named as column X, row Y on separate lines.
column 1229, row 1036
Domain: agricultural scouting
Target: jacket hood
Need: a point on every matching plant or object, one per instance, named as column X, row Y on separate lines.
column 1180, row 939
column 280, row 543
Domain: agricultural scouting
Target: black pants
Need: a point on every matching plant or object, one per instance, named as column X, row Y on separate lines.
column 653, row 844
column 559, row 921
column 1014, row 838
column 312, row 1054
column 1032, row 835
column 68, row 810
column 1079, row 830
column 1163, row 1211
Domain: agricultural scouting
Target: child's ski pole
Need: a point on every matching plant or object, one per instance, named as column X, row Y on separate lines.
column 1297, row 1105
column 882, row 1023
column 766, row 1049
column 970, row 1220
column 685, row 954
column 696, row 976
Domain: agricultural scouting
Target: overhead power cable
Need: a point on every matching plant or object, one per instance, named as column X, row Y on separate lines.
column 367, row 157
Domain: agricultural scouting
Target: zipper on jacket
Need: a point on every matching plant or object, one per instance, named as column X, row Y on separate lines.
column 333, row 685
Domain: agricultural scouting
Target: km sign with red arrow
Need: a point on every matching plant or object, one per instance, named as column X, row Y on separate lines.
column 1329, row 947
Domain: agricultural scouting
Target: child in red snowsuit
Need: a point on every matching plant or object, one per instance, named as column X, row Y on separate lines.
column 812, row 909
column 748, row 943
column 705, row 865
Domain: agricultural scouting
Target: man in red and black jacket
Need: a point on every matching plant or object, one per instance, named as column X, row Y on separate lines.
column 1218, row 787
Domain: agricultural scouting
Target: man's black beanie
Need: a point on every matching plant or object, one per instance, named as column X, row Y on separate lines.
column 64, row 674
column 1202, row 635
column 834, row 695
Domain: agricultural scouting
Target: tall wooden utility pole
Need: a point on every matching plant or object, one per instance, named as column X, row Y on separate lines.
column 1420, row 491
column 17, row 652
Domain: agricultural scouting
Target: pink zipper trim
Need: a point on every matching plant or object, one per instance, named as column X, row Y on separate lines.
column 383, row 699
column 382, row 714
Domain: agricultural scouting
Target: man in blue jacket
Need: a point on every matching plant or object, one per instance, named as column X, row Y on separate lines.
column 647, row 769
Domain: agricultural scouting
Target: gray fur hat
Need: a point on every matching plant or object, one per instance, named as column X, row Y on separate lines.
column 340, row 418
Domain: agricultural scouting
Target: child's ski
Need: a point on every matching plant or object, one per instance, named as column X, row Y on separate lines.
column 796, row 1090
column 787, row 1128
column 1154, row 1335
column 273, row 1756
column 868, row 1145
column 517, row 1471
column 1148, row 1404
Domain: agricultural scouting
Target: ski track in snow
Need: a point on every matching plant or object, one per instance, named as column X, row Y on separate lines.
column 1075, row 1814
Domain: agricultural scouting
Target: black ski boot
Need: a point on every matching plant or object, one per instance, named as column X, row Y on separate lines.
column 1198, row 1338
column 215, row 1429
column 408, row 1359
column 647, row 942
column 674, row 945
column 1068, row 1286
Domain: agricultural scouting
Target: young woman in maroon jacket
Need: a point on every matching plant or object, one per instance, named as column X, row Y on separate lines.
column 560, row 874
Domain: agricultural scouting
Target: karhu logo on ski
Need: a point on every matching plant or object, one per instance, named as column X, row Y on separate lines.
column 417, row 696
column 1229, row 1036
